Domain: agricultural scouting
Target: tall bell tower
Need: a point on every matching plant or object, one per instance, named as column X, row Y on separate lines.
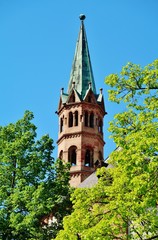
column 81, row 111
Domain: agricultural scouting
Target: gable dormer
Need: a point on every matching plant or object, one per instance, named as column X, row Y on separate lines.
column 73, row 97
column 90, row 97
column 100, row 100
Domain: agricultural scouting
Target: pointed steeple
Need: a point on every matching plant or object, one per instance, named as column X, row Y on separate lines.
column 81, row 112
column 81, row 73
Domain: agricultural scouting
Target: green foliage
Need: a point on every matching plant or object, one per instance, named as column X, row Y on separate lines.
column 31, row 184
column 133, row 82
column 125, row 199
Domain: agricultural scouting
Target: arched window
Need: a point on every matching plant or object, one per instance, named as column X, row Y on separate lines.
column 76, row 118
column 91, row 120
column 72, row 158
column 70, row 119
column 100, row 126
column 61, row 154
column 89, row 158
column 61, row 124
column 86, row 119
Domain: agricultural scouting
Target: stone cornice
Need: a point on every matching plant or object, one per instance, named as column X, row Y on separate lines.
column 78, row 134
column 84, row 104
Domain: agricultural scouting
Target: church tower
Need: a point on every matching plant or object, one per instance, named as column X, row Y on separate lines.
column 81, row 111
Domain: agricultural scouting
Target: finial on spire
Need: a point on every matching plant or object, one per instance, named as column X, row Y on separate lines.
column 82, row 17
column 101, row 90
column 62, row 90
column 73, row 84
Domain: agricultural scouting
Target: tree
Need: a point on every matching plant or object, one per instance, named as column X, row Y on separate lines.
column 124, row 202
column 32, row 185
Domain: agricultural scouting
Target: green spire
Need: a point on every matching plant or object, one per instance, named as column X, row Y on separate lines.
column 81, row 72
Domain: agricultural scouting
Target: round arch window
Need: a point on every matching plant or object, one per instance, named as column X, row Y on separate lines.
column 72, row 155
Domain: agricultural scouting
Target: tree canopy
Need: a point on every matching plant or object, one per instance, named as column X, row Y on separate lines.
column 124, row 202
column 32, row 184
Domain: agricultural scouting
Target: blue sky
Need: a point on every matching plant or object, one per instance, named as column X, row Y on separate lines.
column 37, row 44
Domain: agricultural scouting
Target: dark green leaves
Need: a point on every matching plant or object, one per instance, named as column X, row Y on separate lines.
column 31, row 184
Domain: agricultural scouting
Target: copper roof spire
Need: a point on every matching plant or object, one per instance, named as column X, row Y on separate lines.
column 81, row 72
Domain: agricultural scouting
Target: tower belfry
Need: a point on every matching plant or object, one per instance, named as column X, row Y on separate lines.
column 81, row 111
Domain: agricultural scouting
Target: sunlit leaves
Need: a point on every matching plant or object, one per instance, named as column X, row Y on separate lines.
column 31, row 184
column 125, row 199
column 132, row 82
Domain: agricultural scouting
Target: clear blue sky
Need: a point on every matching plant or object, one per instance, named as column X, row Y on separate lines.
column 37, row 44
